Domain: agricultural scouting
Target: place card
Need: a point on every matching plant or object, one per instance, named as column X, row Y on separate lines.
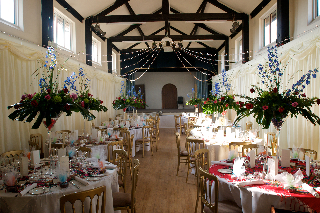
column 24, row 166
column 64, row 163
column 272, row 167
column 285, row 158
column 75, row 132
column 99, row 134
column 94, row 133
column 252, row 158
column 307, row 165
column 61, row 153
column 35, row 158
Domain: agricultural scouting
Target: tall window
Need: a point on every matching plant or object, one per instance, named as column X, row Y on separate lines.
column 114, row 62
column 222, row 61
column 316, row 8
column 96, row 51
column 62, row 30
column 270, row 28
column 239, row 49
column 8, row 10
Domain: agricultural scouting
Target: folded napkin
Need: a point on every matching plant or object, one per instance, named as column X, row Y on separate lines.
column 250, row 182
column 28, row 188
column 221, row 163
column 82, row 181
column 310, row 190
column 110, row 166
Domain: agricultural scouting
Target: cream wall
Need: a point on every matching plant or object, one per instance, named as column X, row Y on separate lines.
column 155, row 81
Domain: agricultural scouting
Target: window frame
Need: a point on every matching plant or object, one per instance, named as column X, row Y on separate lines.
column 18, row 16
column 72, row 30
column 223, row 61
column 98, row 62
column 238, row 43
column 313, row 15
column 114, row 62
column 262, row 29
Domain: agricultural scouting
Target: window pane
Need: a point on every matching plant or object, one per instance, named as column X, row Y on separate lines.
column 266, row 31
column 67, row 35
column 274, row 26
column 94, row 51
column 317, row 7
column 60, row 33
column 7, row 10
column 240, row 50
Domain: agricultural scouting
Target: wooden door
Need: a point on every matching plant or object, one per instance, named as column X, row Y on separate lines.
column 169, row 97
column 143, row 93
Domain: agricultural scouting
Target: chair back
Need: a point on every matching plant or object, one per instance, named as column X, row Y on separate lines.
column 63, row 135
column 192, row 119
column 85, row 150
column 11, row 155
column 206, row 180
column 248, row 125
column 147, row 132
column 72, row 198
column 246, row 149
column 135, row 174
column 202, row 159
column 271, row 138
column 178, row 142
column 112, row 146
column 36, row 142
column 193, row 145
column 311, row 153
column 120, row 159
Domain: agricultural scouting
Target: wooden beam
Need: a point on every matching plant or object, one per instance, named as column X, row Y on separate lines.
column 169, row 17
column 88, row 41
column 174, row 10
column 245, row 39
column 70, row 9
column 109, row 55
column 221, row 6
column 116, row 4
column 156, row 32
column 195, row 28
column 237, row 31
column 98, row 34
column 178, row 31
column 221, row 46
column 133, row 13
column 205, row 27
column 129, row 29
column 282, row 22
column 47, row 21
column 257, row 10
column 115, row 48
column 226, row 57
column 173, row 37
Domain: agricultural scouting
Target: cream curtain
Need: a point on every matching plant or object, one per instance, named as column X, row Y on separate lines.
column 297, row 57
column 17, row 64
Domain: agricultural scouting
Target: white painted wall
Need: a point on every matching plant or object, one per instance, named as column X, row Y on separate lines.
column 154, row 81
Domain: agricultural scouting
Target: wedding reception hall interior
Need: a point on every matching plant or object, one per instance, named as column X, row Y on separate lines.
column 159, row 106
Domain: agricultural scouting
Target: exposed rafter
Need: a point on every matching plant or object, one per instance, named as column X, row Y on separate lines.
column 98, row 34
column 259, row 8
column 221, row 46
column 236, row 32
column 169, row 17
column 154, row 33
column 129, row 29
column 116, row 4
column 115, row 48
column 173, row 37
column 70, row 9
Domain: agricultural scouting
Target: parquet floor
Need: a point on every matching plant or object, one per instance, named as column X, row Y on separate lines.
column 159, row 190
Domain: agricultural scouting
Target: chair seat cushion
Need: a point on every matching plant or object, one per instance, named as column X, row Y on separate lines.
column 121, row 199
column 184, row 153
column 225, row 206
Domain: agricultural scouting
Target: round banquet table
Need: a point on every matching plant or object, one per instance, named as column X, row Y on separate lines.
column 49, row 202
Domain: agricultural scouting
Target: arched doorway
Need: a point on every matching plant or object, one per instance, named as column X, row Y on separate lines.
column 169, row 97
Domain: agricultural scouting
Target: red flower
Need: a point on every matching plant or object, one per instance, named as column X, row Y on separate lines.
column 34, row 103
column 101, row 102
column 207, row 99
column 47, row 97
column 237, row 102
column 65, row 90
column 303, row 95
column 119, row 98
column 249, row 106
column 16, row 106
column 318, row 101
column 281, row 109
column 90, row 95
column 205, row 102
column 222, row 98
column 275, row 90
column 227, row 105
column 296, row 93
column 252, row 90
column 48, row 90
column 265, row 107
column 241, row 104
column 124, row 109
column 23, row 97
column 67, row 107
column 82, row 103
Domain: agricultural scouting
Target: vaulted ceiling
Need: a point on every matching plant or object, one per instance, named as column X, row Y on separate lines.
column 117, row 19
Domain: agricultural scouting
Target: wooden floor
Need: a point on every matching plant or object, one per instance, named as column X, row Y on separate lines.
column 159, row 189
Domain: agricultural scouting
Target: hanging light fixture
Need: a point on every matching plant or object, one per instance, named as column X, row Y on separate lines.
column 166, row 43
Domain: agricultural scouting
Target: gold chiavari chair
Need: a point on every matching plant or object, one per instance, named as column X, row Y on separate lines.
column 246, row 149
column 182, row 155
column 248, row 125
column 201, row 161
column 235, row 144
column 63, row 135
column 192, row 146
column 11, row 155
column 85, row 151
column 36, row 142
column 208, row 203
column 271, row 136
column 129, row 151
column 112, row 146
column 146, row 138
column 178, row 124
column 72, row 198
column 312, row 153
column 120, row 158
column 126, row 201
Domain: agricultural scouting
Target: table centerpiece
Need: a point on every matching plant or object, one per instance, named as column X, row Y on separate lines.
column 194, row 101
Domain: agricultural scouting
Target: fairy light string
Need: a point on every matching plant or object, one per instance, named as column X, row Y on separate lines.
column 138, row 61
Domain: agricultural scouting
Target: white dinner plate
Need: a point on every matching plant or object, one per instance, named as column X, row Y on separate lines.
column 225, row 171
column 38, row 190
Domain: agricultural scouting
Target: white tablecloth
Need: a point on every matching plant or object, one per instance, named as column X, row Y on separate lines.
column 49, row 202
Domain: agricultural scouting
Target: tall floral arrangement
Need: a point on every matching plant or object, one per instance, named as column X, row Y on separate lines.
column 220, row 100
column 52, row 100
column 194, row 101
column 131, row 99
column 273, row 106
